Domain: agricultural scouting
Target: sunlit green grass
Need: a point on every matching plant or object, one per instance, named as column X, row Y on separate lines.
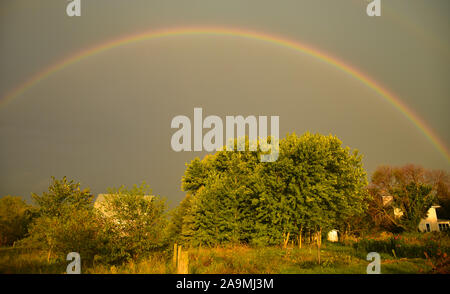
column 27, row 261
column 334, row 259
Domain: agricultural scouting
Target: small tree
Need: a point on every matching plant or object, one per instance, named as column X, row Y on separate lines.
column 65, row 221
column 75, row 231
column 15, row 216
column 133, row 223
column 414, row 200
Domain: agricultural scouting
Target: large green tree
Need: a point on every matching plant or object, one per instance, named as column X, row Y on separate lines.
column 220, row 201
column 315, row 185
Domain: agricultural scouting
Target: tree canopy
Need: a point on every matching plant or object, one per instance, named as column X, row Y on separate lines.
column 315, row 184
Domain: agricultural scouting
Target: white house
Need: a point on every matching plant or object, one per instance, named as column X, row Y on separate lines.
column 429, row 224
column 99, row 203
column 432, row 222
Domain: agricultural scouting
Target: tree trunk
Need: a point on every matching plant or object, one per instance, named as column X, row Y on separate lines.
column 319, row 243
column 286, row 240
column 49, row 254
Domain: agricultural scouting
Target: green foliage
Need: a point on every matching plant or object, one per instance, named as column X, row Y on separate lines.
column 177, row 220
column 415, row 245
column 315, row 185
column 133, row 223
column 128, row 224
column 221, row 202
column 62, row 196
column 18, row 260
column 15, row 216
column 234, row 198
column 65, row 221
column 336, row 259
column 414, row 200
column 75, row 231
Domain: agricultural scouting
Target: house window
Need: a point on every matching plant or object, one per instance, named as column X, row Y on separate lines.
column 428, row 227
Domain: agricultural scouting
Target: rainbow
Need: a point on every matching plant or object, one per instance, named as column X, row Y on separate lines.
column 217, row 31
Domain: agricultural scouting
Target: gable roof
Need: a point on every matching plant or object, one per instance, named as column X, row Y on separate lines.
column 101, row 198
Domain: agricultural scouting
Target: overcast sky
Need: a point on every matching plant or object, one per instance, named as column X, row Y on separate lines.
column 105, row 121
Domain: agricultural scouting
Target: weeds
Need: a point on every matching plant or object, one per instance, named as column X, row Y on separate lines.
column 412, row 255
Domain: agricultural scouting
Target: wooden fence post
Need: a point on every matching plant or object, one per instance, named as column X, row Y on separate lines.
column 175, row 255
column 319, row 243
column 183, row 261
column 300, row 239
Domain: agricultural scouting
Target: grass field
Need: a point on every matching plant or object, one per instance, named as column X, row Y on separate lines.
column 335, row 259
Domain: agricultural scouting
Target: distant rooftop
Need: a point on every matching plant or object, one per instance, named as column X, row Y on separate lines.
column 101, row 197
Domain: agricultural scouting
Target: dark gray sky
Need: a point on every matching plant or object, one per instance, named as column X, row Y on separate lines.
column 105, row 121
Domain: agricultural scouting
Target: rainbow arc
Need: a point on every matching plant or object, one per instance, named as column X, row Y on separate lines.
column 241, row 33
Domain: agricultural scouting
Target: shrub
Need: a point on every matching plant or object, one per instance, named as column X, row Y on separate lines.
column 15, row 216
column 133, row 224
column 76, row 231
column 407, row 245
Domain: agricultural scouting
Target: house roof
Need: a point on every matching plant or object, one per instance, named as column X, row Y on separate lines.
column 101, row 197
